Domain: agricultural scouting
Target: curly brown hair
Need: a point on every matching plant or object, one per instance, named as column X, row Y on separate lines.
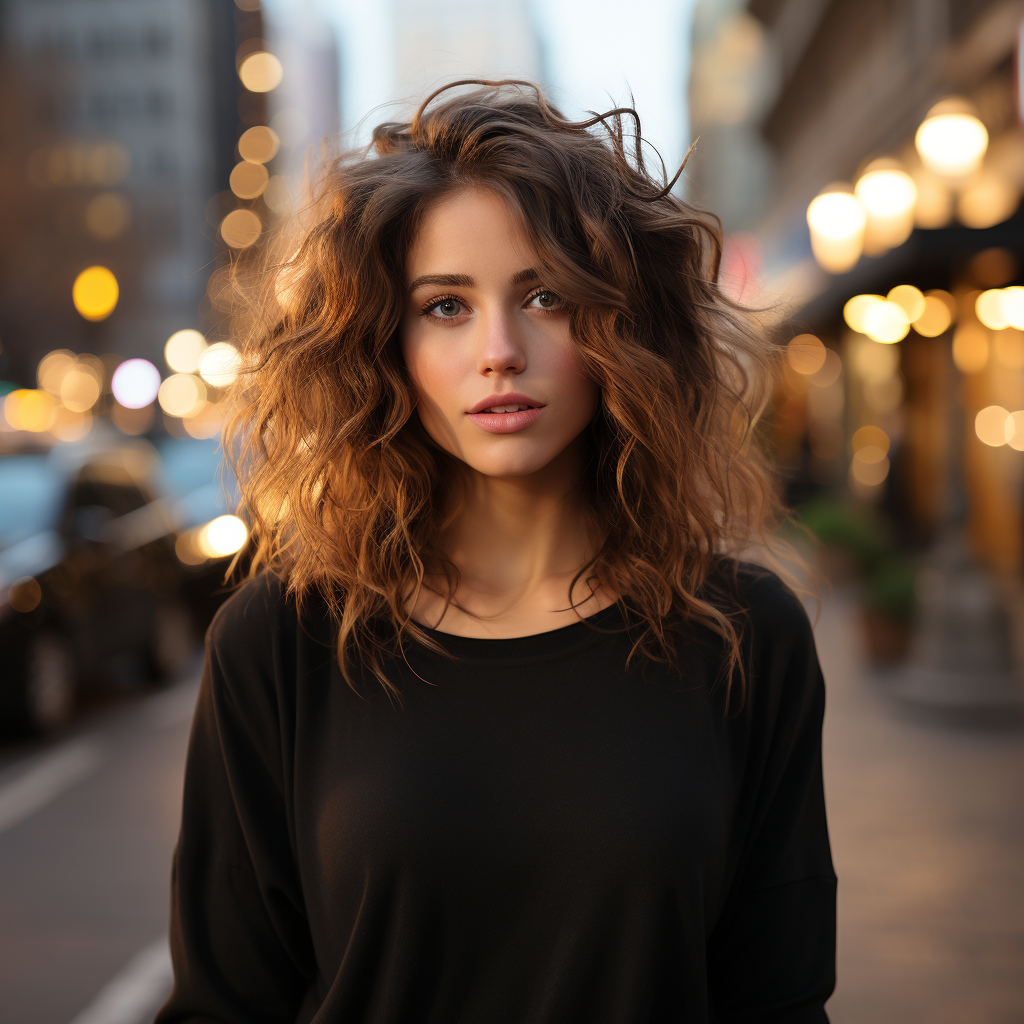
column 343, row 487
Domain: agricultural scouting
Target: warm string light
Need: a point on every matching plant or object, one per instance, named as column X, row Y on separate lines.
column 888, row 319
column 888, row 199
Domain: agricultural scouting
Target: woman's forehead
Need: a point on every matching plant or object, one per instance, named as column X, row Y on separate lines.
column 468, row 233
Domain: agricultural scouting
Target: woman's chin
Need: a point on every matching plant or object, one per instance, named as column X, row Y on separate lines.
column 510, row 464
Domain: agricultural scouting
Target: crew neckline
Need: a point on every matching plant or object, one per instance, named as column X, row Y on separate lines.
column 563, row 640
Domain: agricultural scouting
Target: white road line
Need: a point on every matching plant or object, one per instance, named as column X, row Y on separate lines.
column 46, row 778
column 136, row 992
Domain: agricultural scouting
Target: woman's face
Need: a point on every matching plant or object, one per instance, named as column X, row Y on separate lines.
column 487, row 346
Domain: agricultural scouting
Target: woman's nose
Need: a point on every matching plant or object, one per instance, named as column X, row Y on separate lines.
column 502, row 350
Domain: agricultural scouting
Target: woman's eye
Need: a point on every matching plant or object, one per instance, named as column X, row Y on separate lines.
column 545, row 300
column 446, row 309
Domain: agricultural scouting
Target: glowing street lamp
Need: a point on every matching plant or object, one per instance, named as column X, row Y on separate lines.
column 95, row 293
column 888, row 195
column 837, row 220
column 951, row 140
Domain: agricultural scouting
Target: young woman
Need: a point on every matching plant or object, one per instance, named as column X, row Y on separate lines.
column 501, row 731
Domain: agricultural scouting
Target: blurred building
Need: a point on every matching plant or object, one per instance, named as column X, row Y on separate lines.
column 822, row 148
column 130, row 119
column 137, row 144
column 440, row 41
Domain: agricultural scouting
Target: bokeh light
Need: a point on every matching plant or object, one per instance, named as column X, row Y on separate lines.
column 259, row 145
column 108, row 215
column 994, row 426
column 871, row 437
column 1012, row 304
column 95, row 293
column 837, row 220
column 970, row 348
column 206, row 421
column 81, row 388
column 71, row 426
column 1016, row 439
column 248, row 180
column 69, row 164
column 829, row 371
column 986, row 200
column 25, row 594
column 183, row 350
column 855, row 308
column 910, row 299
column 999, row 308
column 888, row 195
column 135, row 383
column 936, row 317
column 988, row 307
column 182, row 394
column 885, row 322
column 29, row 409
column 219, row 364
column 187, row 550
column 222, row 536
column 53, row 368
column 240, row 228
column 260, row 72
column 934, row 206
column 868, row 469
column 806, row 354
column 951, row 140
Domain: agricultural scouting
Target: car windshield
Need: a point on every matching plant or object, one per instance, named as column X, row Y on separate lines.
column 31, row 494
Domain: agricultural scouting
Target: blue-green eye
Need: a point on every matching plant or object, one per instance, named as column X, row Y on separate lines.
column 446, row 308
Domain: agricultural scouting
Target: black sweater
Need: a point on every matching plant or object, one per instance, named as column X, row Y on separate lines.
column 537, row 833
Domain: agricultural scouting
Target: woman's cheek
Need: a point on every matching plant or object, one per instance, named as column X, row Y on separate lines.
column 572, row 382
column 435, row 376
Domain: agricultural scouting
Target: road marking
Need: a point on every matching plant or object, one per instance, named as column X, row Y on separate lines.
column 173, row 707
column 136, row 992
column 46, row 779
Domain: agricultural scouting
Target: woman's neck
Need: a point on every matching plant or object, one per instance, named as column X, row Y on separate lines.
column 517, row 542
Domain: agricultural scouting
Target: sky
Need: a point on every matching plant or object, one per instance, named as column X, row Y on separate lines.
column 598, row 51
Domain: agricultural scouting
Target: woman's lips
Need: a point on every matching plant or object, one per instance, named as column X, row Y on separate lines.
column 506, row 422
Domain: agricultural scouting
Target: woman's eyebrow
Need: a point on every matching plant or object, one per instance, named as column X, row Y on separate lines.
column 444, row 280
column 465, row 281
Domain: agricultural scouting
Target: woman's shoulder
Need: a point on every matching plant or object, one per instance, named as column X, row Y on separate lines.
column 253, row 612
column 758, row 600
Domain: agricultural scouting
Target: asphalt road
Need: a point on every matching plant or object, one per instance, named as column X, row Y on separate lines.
column 926, row 816
column 87, row 828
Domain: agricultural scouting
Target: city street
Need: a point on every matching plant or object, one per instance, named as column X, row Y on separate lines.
column 86, row 833
column 927, row 827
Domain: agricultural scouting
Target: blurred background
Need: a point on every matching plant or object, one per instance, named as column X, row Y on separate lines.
column 867, row 161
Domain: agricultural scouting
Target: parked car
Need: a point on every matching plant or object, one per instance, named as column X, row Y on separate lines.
column 92, row 591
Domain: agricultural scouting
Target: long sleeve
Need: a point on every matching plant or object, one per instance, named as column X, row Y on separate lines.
column 772, row 955
column 239, row 938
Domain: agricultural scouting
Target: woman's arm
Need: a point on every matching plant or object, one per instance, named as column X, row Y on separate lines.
column 239, row 937
column 771, row 957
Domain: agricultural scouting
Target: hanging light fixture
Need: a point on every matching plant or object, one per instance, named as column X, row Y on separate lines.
column 888, row 195
column 952, row 140
column 837, row 220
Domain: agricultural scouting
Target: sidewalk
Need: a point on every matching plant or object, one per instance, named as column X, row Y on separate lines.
column 927, row 826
